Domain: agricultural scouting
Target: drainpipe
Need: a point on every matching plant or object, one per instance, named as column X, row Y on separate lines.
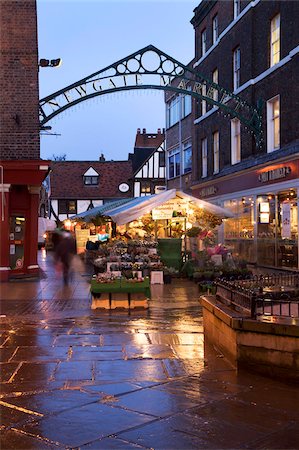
column 180, row 141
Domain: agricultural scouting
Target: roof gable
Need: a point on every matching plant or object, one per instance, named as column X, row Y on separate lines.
column 90, row 173
column 67, row 179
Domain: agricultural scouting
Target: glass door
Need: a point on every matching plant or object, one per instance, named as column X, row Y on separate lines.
column 16, row 242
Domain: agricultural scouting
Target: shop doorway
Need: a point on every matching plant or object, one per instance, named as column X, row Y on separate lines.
column 16, row 242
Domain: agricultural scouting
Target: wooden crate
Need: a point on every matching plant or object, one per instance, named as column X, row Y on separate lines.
column 138, row 300
column 119, row 300
column 100, row 302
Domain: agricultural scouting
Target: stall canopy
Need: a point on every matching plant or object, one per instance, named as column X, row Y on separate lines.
column 137, row 207
column 100, row 210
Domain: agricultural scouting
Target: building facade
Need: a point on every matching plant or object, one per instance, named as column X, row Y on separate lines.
column 77, row 186
column 178, row 138
column 148, row 163
column 22, row 171
column 251, row 49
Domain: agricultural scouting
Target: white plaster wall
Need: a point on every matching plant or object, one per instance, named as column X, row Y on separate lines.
column 82, row 205
column 97, row 202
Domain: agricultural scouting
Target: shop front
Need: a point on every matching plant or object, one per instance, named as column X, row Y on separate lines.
column 19, row 217
column 264, row 229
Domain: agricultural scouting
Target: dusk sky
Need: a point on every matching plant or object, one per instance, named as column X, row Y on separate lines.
column 90, row 35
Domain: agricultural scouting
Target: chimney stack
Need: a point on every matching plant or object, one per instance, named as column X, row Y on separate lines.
column 159, row 130
column 102, row 158
column 138, row 130
column 144, row 130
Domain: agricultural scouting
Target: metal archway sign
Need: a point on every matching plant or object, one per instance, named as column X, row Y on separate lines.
column 150, row 68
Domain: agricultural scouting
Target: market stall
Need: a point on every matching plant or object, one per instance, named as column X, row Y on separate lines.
column 120, row 292
column 147, row 240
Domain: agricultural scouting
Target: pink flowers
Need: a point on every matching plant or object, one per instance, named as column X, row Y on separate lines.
column 219, row 249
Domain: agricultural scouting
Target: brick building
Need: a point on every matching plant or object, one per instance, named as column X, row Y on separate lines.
column 178, row 136
column 251, row 49
column 22, row 170
column 78, row 186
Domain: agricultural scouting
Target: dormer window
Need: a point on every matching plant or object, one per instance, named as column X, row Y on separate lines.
column 91, row 180
column 91, row 177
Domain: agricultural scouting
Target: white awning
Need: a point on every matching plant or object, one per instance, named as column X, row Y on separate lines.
column 143, row 205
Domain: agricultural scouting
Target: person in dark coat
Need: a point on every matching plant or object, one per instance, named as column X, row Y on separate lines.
column 64, row 252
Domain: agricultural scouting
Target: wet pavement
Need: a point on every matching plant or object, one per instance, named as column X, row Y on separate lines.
column 75, row 378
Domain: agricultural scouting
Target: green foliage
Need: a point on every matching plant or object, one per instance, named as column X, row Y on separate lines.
column 194, row 232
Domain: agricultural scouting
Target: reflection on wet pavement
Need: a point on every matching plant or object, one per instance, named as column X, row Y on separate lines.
column 72, row 377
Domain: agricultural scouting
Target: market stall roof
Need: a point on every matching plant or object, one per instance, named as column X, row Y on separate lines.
column 142, row 205
column 100, row 210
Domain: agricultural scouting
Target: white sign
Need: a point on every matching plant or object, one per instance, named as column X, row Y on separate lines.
column 162, row 212
column 286, row 220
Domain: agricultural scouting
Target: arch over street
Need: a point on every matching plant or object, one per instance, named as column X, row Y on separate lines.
column 150, row 68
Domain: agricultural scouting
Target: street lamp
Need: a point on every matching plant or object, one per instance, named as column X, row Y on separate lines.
column 50, row 62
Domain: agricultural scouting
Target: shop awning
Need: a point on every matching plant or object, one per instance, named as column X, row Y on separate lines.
column 143, row 205
column 100, row 210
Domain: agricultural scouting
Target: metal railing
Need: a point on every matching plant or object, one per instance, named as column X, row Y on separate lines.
column 266, row 295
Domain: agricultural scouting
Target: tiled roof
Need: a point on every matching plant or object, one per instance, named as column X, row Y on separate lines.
column 67, row 179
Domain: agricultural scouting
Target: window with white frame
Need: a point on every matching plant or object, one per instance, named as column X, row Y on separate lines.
column 215, row 80
column 204, row 158
column 173, row 112
column 91, row 180
column 203, row 42
column 237, row 8
column 235, row 141
column 187, row 152
column 203, row 102
column 174, row 163
column 275, row 40
column 187, row 104
column 273, row 124
column 67, row 206
column 215, row 28
column 216, row 151
column 236, row 68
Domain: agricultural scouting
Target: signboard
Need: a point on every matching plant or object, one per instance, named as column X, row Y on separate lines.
column 162, row 212
column 82, row 237
column 286, row 220
column 274, row 174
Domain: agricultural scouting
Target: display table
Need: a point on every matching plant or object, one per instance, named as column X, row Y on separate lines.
column 120, row 293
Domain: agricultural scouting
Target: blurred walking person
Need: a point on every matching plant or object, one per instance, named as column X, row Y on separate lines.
column 64, row 252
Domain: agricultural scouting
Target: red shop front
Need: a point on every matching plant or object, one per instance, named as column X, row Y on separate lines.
column 20, row 187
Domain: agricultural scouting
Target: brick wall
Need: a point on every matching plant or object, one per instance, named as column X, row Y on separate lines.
column 19, row 129
column 252, row 34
